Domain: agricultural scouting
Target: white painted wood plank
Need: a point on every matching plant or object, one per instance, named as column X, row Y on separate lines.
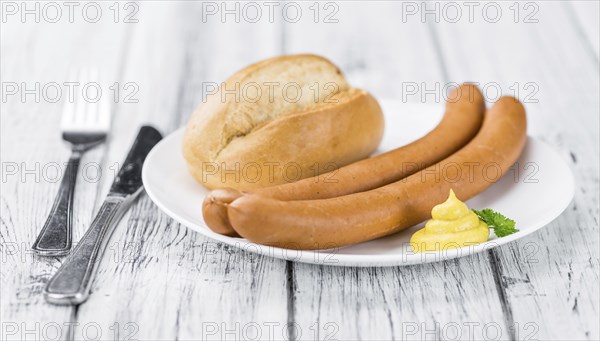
column 31, row 142
column 167, row 282
column 455, row 299
column 586, row 21
column 380, row 54
column 549, row 279
column 383, row 54
column 197, row 288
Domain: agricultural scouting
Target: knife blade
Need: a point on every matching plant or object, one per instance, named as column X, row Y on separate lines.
column 71, row 284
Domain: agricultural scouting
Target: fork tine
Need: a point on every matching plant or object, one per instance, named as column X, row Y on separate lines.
column 83, row 115
column 68, row 114
column 80, row 104
column 104, row 112
column 92, row 107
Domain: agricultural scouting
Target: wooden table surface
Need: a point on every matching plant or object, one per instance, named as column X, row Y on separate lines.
column 160, row 280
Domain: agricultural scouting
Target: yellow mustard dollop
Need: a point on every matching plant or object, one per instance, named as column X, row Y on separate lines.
column 453, row 225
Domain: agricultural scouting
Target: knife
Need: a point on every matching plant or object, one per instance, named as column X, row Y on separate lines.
column 72, row 282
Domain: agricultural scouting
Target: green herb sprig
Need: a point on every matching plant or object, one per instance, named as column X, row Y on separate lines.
column 502, row 225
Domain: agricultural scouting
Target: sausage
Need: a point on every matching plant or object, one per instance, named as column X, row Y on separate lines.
column 359, row 217
column 461, row 122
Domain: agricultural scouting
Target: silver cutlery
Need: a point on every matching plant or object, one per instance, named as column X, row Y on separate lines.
column 84, row 125
column 72, row 282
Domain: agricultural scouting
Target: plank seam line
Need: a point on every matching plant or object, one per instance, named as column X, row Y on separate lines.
column 509, row 320
column 437, row 46
column 581, row 33
column 190, row 39
column 291, row 301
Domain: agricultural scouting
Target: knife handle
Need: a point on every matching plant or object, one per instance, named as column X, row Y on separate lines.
column 55, row 237
column 72, row 282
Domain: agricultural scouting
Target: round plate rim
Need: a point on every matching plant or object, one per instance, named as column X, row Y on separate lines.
column 359, row 260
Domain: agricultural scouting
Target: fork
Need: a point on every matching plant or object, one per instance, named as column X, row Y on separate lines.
column 84, row 125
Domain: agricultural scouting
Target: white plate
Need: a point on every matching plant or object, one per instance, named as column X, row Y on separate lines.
column 537, row 192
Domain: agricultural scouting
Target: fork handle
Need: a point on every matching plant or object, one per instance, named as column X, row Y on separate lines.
column 55, row 237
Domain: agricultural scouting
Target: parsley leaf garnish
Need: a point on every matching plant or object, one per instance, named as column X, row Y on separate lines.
column 502, row 225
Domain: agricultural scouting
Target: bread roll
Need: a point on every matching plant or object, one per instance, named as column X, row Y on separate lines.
column 280, row 120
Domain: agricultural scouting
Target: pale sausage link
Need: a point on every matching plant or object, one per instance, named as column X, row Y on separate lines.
column 461, row 122
column 355, row 218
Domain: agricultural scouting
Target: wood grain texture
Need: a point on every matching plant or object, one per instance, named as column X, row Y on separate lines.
column 549, row 279
column 31, row 143
column 161, row 271
column 584, row 16
column 416, row 302
column 160, row 280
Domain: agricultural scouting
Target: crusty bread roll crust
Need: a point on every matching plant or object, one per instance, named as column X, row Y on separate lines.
column 280, row 120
